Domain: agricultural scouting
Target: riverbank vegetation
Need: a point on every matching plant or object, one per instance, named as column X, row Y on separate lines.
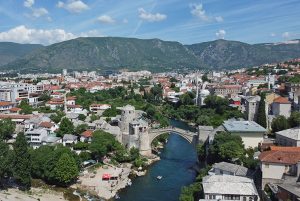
column 225, row 147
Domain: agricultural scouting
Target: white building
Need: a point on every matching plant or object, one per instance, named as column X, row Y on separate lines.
column 228, row 187
column 289, row 137
column 35, row 137
column 278, row 163
column 281, row 106
column 250, row 132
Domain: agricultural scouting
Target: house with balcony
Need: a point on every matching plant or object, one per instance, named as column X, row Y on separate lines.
column 229, row 187
column 35, row 137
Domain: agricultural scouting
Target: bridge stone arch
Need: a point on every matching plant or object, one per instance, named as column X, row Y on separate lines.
column 188, row 135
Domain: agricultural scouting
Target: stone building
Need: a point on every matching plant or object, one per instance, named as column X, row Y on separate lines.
column 134, row 129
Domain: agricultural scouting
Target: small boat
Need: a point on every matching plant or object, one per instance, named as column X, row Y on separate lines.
column 159, row 177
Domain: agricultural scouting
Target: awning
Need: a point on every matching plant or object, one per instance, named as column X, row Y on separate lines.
column 106, row 176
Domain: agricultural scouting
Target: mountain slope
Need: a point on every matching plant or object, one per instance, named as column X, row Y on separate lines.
column 12, row 51
column 113, row 53
column 108, row 53
column 232, row 54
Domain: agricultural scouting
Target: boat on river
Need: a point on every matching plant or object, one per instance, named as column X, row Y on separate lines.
column 159, row 177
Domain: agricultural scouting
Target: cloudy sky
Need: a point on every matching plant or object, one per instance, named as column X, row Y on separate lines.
column 186, row 21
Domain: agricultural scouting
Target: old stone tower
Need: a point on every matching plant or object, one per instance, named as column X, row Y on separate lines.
column 134, row 130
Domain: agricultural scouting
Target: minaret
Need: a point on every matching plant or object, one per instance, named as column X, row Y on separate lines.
column 197, row 89
column 65, row 102
column 269, row 81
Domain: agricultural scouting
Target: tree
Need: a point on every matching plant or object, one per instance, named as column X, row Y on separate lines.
column 5, row 160
column 66, row 170
column 57, row 117
column 22, row 163
column 65, row 127
column 280, row 123
column 81, row 128
column 44, row 97
column 261, row 113
column 225, row 147
column 81, row 117
column 26, row 108
column 7, row 127
column 187, row 98
column 294, row 119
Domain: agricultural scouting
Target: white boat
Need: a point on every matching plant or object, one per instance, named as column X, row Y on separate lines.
column 159, row 177
column 117, row 197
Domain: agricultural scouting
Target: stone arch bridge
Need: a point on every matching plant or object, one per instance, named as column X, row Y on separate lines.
column 191, row 137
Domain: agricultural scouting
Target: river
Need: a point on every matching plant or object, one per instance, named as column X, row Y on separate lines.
column 177, row 159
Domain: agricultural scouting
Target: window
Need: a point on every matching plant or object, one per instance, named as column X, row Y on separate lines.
column 211, row 197
column 244, row 198
column 250, row 198
column 266, row 165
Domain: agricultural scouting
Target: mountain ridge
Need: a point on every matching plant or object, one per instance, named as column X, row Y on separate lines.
column 113, row 53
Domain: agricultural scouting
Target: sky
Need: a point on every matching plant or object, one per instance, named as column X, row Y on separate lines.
column 186, row 21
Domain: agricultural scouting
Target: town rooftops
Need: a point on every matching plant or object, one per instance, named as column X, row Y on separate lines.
column 287, row 157
column 46, row 124
column 15, row 116
column 228, row 184
column 281, row 100
column 69, row 137
column 243, row 126
column 292, row 188
column 237, row 170
column 292, row 133
column 278, row 148
column 5, row 103
column 87, row 133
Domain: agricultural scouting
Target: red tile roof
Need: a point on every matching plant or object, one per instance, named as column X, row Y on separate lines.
column 14, row 116
column 5, row 103
column 87, row 133
column 277, row 148
column 15, row 109
column 46, row 124
column 281, row 100
column 281, row 157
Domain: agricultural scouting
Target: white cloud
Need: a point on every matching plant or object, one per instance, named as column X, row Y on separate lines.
column 91, row 33
column 28, row 3
column 39, row 12
column 198, row 11
column 219, row 19
column 35, row 12
column 73, row 6
column 151, row 17
column 221, row 34
column 272, row 34
column 106, row 19
column 22, row 34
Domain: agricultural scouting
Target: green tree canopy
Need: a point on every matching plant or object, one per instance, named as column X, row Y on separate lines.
column 6, row 160
column 65, row 127
column 7, row 128
column 294, row 119
column 261, row 113
column 22, row 162
column 66, row 170
column 280, row 123
column 225, row 147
